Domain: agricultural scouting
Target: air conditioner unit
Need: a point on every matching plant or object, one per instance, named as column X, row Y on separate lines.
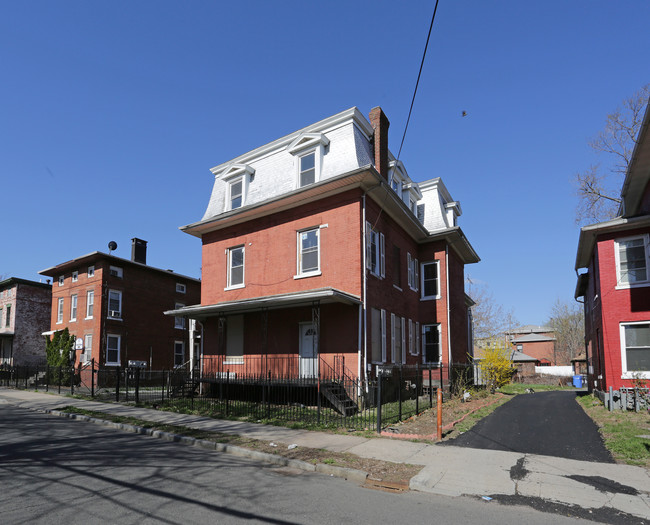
column 114, row 313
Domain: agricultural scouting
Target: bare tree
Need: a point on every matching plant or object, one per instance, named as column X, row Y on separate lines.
column 598, row 188
column 490, row 318
column 567, row 319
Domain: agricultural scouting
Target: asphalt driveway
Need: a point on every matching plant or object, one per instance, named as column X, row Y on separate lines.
column 546, row 423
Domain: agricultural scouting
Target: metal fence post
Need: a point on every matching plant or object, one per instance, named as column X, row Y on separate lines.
column 379, row 376
column 47, row 378
column 162, row 397
column 417, row 388
column 430, row 388
column 137, row 385
column 117, row 384
column 59, row 381
column 227, row 382
column 268, row 396
column 399, row 392
column 611, row 399
column 92, row 377
column 318, row 398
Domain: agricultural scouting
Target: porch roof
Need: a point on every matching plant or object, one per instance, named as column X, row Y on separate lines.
column 271, row 302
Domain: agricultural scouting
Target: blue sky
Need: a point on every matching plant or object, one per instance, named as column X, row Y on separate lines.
column 112, row 113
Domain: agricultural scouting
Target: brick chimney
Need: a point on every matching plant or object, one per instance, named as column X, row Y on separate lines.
column 379, row 123
column 139, row 250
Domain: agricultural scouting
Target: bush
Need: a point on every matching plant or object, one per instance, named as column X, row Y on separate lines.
column 496, row 367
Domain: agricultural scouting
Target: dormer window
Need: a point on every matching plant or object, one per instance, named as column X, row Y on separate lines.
column 237, row 178
column 236, row 193
column 307, row 169
column 308, row 150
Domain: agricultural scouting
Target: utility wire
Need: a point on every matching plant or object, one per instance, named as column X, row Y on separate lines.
column 424, row 54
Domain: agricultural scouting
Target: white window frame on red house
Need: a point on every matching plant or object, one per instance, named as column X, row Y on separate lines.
column 632, row 374
column 91, row 271
column 308, row 145
column 90, row 304
column 117, row 296
column 234, row 281
column 86, row 355
column 301, row 271
column 59, row 312
column 61, row 280
column 179, row 321
column 75, row 276
column 180, row 288
column 116, row 271
column 423, row 279
column 116, row 348
column 73, row 307
column 179, row 353
column 622, row 281
column 425, row 329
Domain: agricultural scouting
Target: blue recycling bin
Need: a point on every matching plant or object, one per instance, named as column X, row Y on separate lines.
column 577, row 381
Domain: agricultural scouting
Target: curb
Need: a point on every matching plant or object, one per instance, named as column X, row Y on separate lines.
column 358, row 476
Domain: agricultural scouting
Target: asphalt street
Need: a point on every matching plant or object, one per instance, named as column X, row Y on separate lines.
column 55, row 470
column 545, row 423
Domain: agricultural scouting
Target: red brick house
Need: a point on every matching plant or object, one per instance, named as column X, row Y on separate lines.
column 116, row 306
column 614, row 258
column 24, row 315
column 535, row 341
column 320, row 252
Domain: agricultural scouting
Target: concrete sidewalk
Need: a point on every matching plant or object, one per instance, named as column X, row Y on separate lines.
column 448, row 470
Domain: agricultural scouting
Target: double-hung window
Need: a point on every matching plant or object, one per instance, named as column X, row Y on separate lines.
column 61, row 280
column 59, row 311
column 375, row 252
column 113, row 343
column 8, row 318
column 431, row 350
column 307, row 169
column 632, row 262
column 309, row 252
column 398, row 336
column 235, row 267
column 635, row 349
column 179, row 322
column 236, row 191
column 75, row 276
column 73, row 307
column 91, row 271
column 90, row 304
column 180, row 288
column 378, row 335
column 86, row 355
column 115, row 304
column 430, row 280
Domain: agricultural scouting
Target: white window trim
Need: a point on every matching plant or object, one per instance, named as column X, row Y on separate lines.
column 90, row 293
column 229, row 253
column 59, row 312
column 119, row 350
column 118, row 317
column 118, row 272
column 380, row 252
column 413, row 272
column 244, row 186
column 74, row 303
column 646, row 249
column 179, row 322
column 625, row 373
column 180, row 288
column 86, row 355
column 75, row 276
column 91, row 271
column 61, row 280
column 403, row 328
column 299, row 273
column 303, row 145
column 392, row 337
column 429, row 297
column 424, row 354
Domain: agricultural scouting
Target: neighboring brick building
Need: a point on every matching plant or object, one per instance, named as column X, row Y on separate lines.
column 24, row 316
column 537, row 342
column 116, row 306
column 616, row 285
column 319, row 246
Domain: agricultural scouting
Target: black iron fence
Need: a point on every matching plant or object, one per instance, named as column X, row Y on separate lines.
column 278, row 390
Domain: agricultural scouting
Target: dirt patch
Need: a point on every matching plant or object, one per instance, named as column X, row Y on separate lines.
column 458, row 415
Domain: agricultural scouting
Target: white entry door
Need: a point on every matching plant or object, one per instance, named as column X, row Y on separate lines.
column 308, row 353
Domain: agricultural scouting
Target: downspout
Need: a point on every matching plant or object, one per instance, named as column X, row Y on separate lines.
column 448, row 306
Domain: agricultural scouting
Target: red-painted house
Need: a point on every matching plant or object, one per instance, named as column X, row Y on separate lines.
column 321, row 253
column 616, row 284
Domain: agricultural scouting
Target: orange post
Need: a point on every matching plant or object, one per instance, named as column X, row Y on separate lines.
column 439, row 414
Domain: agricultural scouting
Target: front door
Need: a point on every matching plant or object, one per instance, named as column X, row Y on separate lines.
column 308, row 351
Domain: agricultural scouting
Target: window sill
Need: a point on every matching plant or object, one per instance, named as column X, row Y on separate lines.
column 235, row 287
column 430, row 298
column 234, row 361
column 88, row 318
column 179, row 328
column 644, row 284
column 305, row 275
column 114, row 319
column 397, row 288
column 73, row 320
column 112, row 364
column 635, row 375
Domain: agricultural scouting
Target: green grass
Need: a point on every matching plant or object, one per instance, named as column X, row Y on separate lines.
column 520, row 388
column 621, row 431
